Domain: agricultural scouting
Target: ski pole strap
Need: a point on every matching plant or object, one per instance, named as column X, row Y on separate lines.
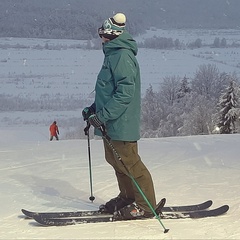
column 104, row 132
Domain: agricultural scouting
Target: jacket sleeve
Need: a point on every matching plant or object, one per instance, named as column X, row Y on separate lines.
column 123, row 70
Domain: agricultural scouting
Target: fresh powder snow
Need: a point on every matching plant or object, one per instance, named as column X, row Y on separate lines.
column 40, row 175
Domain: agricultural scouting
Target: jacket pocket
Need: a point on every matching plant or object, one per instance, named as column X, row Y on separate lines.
column 105, row 82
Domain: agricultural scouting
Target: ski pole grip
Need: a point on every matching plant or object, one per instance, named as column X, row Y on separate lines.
column 86, row 129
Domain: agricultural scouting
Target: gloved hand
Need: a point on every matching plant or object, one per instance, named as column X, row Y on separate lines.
column 87, row 112
column 94, row 121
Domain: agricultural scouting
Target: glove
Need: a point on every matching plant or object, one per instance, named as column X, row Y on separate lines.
column 87, row 112
column 94, row 121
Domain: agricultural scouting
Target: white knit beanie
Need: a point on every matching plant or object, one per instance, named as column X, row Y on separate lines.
column 113, row 27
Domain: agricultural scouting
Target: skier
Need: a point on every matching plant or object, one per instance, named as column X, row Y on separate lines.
column 54, row 131
column 117, row 107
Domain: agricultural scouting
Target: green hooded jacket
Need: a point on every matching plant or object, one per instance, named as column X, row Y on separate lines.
column 118, row 90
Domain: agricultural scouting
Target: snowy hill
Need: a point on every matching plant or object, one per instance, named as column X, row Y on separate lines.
column 49, row 176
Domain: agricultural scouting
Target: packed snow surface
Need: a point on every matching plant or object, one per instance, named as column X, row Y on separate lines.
column 40, row 175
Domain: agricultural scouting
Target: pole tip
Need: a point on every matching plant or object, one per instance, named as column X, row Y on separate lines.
column 166, row 230
column 92, row 198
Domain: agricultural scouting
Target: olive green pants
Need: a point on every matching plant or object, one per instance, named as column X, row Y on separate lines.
column 129, row 155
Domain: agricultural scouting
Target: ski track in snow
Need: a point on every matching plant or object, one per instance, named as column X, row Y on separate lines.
column 54, row 176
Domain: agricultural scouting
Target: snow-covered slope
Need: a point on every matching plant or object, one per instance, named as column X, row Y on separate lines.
column 49, row 176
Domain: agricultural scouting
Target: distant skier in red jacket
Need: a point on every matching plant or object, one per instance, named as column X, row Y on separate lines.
column 54, row 131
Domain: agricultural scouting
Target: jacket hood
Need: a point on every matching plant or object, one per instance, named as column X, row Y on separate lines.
column 123, row 41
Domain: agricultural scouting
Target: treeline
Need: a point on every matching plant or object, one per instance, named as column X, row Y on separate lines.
column 169, row 43
column 46, row 102
column 80, row 19
column 205, row 104
column 154, row 42
column 208, row 103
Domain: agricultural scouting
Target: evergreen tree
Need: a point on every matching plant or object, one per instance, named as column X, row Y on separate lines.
column 223, row 43
column 228, row 114
column 184, row 88
column 216, row 42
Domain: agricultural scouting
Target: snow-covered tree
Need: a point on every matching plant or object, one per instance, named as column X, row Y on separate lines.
column 197, row 118
column 169, row 89
column 228, row 110
column 204, row 79
column 151, row 110
column 178, row 110
column 209, row 82
column 184, row 88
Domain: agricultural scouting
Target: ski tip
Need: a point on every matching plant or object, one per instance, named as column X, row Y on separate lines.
column 40, row 220
column 26, row 212
column 223, row 208
column 226, row 207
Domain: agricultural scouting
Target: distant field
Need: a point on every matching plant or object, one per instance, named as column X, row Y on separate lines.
column 33, row 73
column 69, row 73
column 72, row 72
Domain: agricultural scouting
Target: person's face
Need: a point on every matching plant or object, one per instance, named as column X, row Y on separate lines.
column 105, row 39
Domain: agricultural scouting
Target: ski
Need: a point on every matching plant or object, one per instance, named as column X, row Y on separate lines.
column 101, row 211
column 197, row 214
column 188, row 208
column 111, row 218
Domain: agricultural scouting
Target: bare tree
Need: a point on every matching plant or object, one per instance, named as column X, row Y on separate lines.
column 151, row 110
column 169, row 89
column 198, row 120
column 209, row 82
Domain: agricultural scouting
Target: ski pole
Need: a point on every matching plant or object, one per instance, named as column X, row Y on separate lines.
column 107, row 138
column 86, row 130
